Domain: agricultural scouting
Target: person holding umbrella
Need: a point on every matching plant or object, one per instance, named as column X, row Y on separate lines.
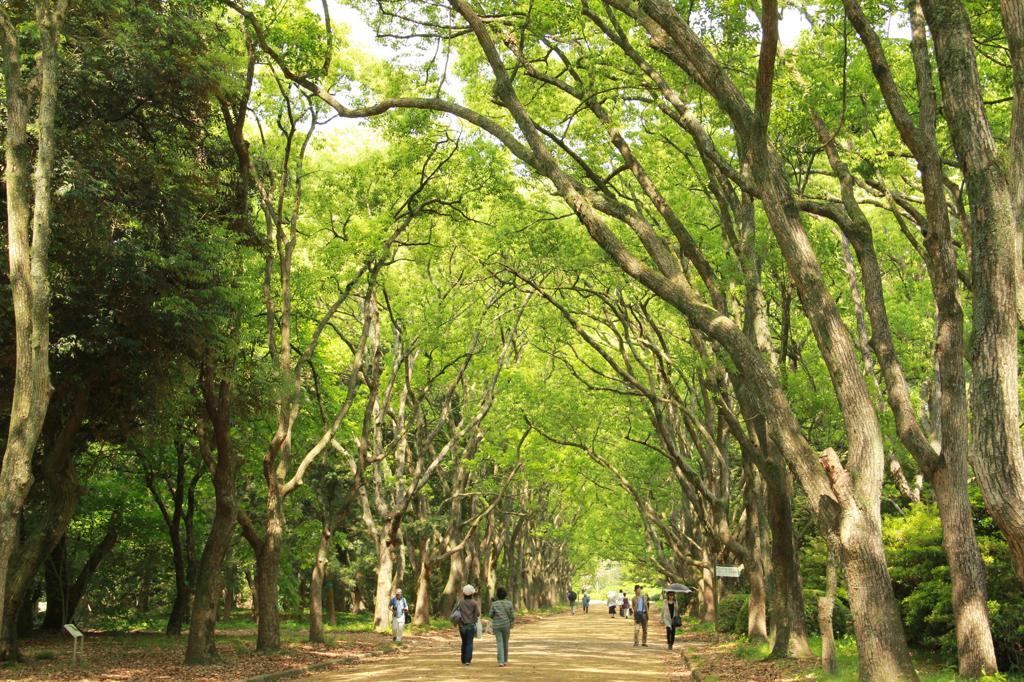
column 671, row 611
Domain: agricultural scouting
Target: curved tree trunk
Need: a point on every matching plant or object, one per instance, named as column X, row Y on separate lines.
column 201, row 647
column 316, row 588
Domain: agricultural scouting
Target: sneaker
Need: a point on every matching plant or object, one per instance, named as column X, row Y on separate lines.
column 645, row 643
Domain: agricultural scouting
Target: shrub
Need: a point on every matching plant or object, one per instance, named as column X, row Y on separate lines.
column 733, row 612
column 841, row 618
column 921, row 581
column 728, row 613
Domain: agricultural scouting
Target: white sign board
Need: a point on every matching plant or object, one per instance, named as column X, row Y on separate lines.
column 728, row 571
column 78, row 646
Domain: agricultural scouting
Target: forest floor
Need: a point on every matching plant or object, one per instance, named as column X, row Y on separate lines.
column 154, row 656
column 555, row 646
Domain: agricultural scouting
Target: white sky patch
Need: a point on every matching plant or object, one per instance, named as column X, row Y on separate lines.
column 791, row 25
column 361, row 37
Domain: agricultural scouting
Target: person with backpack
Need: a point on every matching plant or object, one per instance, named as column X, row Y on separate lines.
column 503, row 615
column 466, row 615
column 641, row 607
column 571, row 596
column 399, row 610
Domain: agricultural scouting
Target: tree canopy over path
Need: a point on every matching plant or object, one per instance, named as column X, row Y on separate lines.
column 311, row 300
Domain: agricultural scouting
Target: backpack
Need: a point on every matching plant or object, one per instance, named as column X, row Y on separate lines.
column 456, row 617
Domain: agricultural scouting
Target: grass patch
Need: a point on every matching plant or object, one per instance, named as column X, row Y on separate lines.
column 929, row 668
column 749, row 651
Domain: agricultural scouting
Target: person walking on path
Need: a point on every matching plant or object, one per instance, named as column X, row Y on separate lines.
column 669, row 617
column 399, row 608
column 623, row 603
column 503, row 615
column 468, row 611
column 571, row 596
column 586, row 603
column 641, row 607
column 613, row 601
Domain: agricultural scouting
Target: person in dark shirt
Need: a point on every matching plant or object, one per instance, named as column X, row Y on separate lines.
column 469, row 611
column 571, row 596
column 669, row 614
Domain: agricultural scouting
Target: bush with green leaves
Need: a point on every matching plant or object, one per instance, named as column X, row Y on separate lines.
column 920, row 575
column 733, row 611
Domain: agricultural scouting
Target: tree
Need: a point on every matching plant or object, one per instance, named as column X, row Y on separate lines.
column 29, row 203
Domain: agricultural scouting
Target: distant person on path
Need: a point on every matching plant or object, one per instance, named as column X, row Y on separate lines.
column 399, row 607
column 571, row 596
column 623, row 603
column 613, row 601
column 669, row 616
column 503, row 615
column 641, row 607
column 586, row 603
column 469, row 614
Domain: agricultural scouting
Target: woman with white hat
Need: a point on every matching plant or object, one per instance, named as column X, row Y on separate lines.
column 469, row 614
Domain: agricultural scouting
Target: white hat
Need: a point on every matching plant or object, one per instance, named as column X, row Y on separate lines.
column 398, row 591
column 468, row 590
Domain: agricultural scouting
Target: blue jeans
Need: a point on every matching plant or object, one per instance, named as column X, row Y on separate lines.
column 468, row 632
column 501, row 636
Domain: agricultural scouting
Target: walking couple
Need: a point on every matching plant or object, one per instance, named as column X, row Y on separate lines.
column 466, row 615
column 670, row 616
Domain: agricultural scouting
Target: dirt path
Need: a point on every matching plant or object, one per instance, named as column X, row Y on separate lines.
column 563, row 647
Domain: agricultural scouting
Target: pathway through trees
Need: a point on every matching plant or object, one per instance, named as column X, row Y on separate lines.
column 564, row 647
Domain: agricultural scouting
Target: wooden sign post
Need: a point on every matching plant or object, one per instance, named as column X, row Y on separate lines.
column 78, row 646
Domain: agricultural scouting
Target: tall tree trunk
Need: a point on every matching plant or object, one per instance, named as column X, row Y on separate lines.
column 181, row 589
column 709, row 600
column 791, row 633
column 757, row 612
column 997, row 454
column 56, row 581
column 385, row 583
column 422, row 614
column 453, row 586
column 875, row 624
column 316, row 587
column 975, row 649
column 826, row 606
column 201, row 648
column 332, row 602
column 29, row 201
column 268, row 571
